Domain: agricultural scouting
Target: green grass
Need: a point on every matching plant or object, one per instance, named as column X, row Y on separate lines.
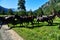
column 41, row 33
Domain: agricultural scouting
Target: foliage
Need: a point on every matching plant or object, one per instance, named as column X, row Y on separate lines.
column 22, row 13
column 39, row 12
column 30, row 13
column 2, row 12
column 10, row 12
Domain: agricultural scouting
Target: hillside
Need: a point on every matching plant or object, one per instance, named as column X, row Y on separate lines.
column 47, row 7
column 5, row 9
column 51, row 4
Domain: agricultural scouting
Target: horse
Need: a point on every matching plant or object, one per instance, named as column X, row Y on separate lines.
column 23, row 19
column 1, row 21
column 48, row 19
column 58, row 14
column 9, row 19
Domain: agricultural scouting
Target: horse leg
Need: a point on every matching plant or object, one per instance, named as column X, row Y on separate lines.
column 27, row 23
column 32, row 23
column 38, row 23
column 21, row 24
column 50, row 22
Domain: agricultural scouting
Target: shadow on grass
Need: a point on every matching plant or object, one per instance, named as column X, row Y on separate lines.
column 56, row 23
column 36, row 26
column 30, row 27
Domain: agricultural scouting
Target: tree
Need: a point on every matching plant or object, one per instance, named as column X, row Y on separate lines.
column 22, row 13
column 21, row 4
column 42, row 13
column 10, row 12
column 39, row 12
column 30, row 13
column 2, row 12
column 21, row 7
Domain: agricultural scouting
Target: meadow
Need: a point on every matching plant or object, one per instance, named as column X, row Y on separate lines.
column 41, row 32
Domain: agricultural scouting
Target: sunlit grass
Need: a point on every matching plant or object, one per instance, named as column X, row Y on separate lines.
column 40, row 33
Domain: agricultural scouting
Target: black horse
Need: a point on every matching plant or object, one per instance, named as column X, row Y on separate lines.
column 9, row 19
column 1, row 21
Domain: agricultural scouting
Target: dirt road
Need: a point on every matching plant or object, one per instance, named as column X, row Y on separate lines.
column 6, row 34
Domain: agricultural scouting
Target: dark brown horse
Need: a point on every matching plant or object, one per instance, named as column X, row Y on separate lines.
column 26, row 19
column 58, row 14
column 48, row 19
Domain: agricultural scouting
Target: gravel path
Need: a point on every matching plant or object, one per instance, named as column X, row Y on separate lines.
column 6, row 34
column 0, row 36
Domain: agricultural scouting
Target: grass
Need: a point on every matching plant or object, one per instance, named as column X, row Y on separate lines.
column 43, row 32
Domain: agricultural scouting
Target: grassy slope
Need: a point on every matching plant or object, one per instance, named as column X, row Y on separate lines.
column 41, row 33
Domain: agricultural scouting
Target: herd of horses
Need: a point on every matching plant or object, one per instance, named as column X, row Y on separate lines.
column 21, row 19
